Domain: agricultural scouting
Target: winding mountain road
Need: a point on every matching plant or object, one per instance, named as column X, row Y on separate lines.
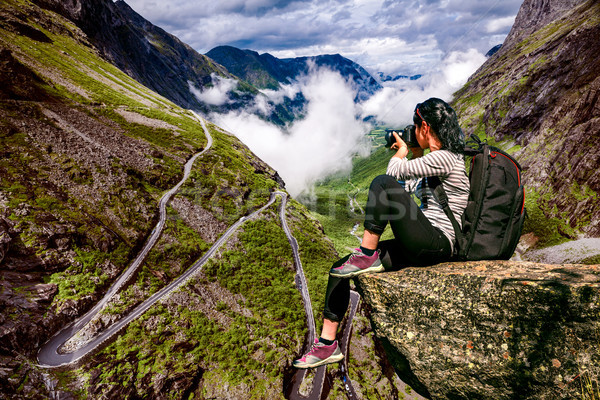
column 299, row 270
column 50, row 356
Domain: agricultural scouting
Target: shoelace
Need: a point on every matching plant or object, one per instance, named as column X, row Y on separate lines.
column 311, row 351
column 352, row 256
column 358, row 254
column 314, row 347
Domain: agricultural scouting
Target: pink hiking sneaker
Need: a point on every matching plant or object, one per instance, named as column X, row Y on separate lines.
column 320, row 354
column 358, row 263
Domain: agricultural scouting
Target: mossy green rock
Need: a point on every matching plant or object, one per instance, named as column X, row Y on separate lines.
column 490, row 330
column 538, row 98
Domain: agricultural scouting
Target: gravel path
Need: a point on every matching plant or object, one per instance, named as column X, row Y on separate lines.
column 570, row 252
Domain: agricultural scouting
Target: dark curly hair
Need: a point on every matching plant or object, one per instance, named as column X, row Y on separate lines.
column 442, row 119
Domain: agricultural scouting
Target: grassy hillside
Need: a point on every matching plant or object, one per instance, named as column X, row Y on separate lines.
column 86, row 154
column 538, row 97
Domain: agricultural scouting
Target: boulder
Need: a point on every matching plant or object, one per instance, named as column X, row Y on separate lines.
column 489, row 329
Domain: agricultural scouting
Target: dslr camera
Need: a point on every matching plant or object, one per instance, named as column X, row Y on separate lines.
column 407, row 134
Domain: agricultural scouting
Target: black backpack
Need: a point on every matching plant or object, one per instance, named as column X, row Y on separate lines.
column 493, row 219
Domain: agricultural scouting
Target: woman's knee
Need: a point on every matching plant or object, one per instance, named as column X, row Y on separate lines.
column 386, row 187
column 383, row 181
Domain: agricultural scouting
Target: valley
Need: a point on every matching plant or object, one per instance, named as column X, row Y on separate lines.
column 213, row 293
column 88, row 153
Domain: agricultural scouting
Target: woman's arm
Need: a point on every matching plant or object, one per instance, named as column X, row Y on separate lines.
column 436, row 163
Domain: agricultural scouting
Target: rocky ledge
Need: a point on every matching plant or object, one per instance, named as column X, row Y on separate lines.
column 490, row 329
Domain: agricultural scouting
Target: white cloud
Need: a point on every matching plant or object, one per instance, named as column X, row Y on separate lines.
column 394, row 105
column 459, row 66
column 321, row 143
column 278, row 96
column 500, row 24
column 261, row 105
column 218, row 94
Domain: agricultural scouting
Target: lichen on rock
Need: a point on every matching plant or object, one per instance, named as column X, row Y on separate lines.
column 490, row 329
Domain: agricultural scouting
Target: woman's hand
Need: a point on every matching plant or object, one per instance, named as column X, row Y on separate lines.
column 402, row 148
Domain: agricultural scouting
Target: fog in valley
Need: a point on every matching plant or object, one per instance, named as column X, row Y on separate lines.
column 333, row 128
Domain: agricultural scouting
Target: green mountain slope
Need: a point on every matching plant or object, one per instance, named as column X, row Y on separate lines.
column 151, row 56
column 539, row 96
column 246, row 64
column 87, row 152
column 268, row 72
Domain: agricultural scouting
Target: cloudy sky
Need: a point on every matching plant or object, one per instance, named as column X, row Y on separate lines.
column 401, row 36
column 444, row 40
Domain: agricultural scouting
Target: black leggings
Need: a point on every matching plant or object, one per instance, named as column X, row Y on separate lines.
column 416, row 242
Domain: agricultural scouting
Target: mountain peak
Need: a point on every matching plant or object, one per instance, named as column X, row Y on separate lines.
column 535, row 14
column 268, row 72
column 540, row 92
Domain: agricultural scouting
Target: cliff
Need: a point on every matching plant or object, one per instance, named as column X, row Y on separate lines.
column 490, row 330
column 538, row 97
column 86, row 154
column 145, row 52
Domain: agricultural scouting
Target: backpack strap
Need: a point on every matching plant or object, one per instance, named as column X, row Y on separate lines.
column 473, row 146
column 440, row 194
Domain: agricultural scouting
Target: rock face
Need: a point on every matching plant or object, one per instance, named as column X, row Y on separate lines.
column 267, row 71
column 4, row 239
column 155, row 58
column 535, row 14
column 490, row 330
column 150, row 55
column 541, row 91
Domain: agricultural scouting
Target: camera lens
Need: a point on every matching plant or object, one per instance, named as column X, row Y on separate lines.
column 389, row 138
column 407, row 134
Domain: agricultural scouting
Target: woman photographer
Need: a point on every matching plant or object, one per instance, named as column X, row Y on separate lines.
column 423, row 234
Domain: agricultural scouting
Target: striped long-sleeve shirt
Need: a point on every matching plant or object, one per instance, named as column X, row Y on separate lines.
column 450, row 168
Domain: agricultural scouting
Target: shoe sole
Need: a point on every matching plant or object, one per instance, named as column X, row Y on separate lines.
column 352, row 274
column 329, row 360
